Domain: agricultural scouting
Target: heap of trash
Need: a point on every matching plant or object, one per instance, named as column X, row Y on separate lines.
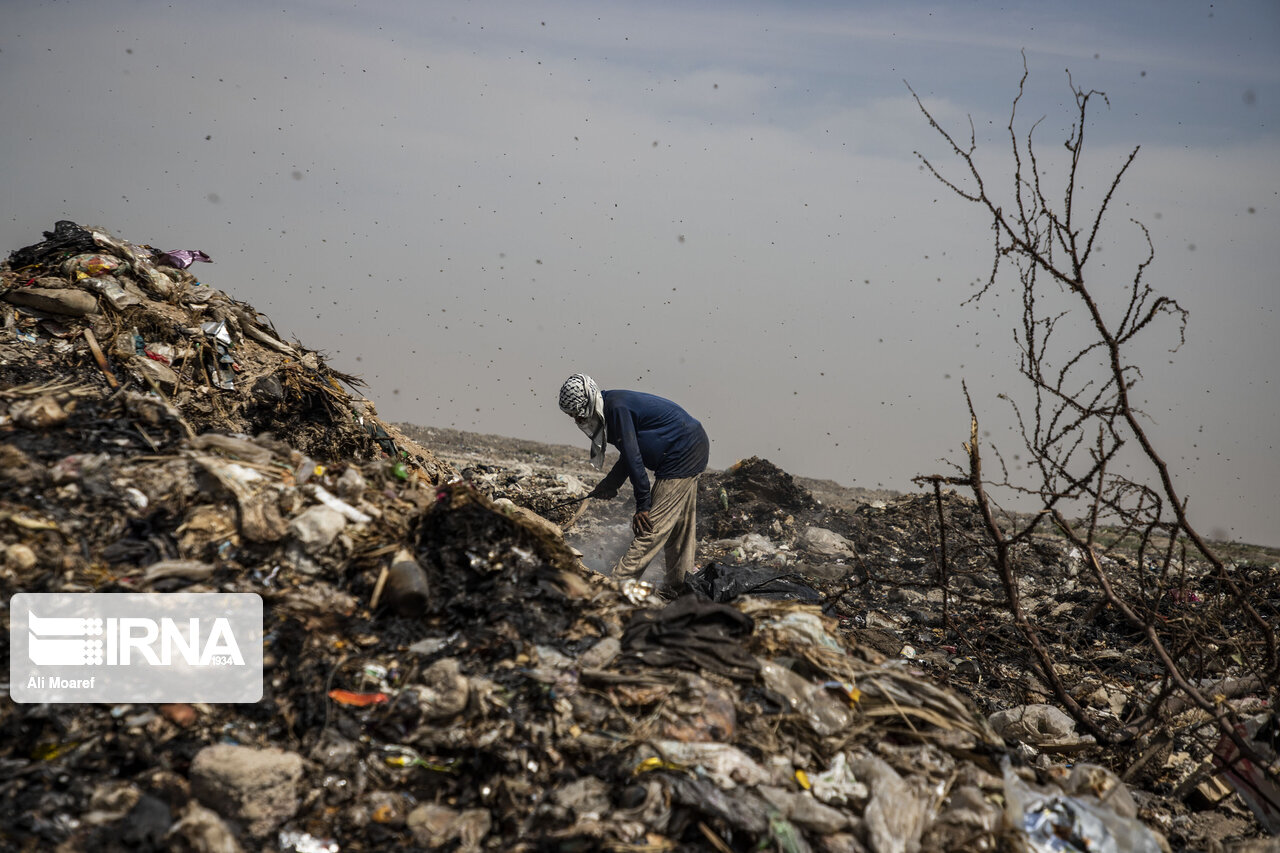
column 445, row 665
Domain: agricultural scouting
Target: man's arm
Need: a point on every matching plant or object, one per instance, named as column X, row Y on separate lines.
column 608, row 487
column 622, row 425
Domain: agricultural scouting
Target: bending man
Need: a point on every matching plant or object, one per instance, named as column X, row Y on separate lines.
column 654, row 433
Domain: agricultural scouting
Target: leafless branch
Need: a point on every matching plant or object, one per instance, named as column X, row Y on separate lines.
column 1076, row 418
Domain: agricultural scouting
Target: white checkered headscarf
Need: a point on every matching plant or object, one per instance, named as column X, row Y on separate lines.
column 581, row 400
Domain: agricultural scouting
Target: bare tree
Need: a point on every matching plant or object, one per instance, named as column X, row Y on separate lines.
column 1095, row 476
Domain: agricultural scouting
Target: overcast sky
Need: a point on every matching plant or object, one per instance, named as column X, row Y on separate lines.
column 716, row 202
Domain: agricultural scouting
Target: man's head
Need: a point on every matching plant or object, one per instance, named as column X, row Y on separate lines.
column 581, row 400
column 577, row 396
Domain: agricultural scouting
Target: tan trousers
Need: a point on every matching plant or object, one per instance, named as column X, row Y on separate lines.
column 674, row 517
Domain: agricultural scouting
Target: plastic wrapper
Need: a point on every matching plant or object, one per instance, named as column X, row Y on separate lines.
column 91, row 265
column 183, row 258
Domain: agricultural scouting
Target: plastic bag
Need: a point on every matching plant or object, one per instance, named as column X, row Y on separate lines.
column 720, row 582
column 825, row 713
column 1057, row 823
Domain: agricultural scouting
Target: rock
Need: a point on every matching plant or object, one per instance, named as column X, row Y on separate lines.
column 257, row 787
column 315, row 528
column 446, row 691
column 601, row 653
column 179, row 713
column 201, row 830
column 20, row 557
column 434, row 826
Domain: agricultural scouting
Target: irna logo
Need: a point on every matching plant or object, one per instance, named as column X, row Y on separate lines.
column 122, row 641
column 135, row 647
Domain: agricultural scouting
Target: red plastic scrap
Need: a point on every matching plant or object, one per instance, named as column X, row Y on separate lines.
column 358, row 700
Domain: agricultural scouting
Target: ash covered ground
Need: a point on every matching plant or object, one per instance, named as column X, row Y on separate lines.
column 447, row 667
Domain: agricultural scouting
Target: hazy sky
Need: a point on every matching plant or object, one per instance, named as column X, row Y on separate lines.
column 717, row 202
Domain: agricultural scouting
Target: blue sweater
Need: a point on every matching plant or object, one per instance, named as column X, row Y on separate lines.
column 652, row 433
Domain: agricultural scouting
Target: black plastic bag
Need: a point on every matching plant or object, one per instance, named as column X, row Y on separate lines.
column 66, row 239
column 720, row 582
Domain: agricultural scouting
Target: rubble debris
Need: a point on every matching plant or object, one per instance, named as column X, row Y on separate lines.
column 256, row 787
column 442, row 671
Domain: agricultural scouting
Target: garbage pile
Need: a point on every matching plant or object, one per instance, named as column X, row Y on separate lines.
column 442, row 671
column 872, row 562
column 103, row 313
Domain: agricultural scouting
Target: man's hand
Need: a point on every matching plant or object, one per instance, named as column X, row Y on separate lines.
column 603, row 493
column 640, row 523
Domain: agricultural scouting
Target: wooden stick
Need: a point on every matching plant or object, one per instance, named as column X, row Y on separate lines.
column 582, row 507
column 100, row 358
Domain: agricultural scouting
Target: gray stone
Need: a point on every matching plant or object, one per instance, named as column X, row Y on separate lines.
column 599, row 655
column 445, row 690
column 316, row 528
column 201, row 830
column 435, row 826
column 258, row 787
